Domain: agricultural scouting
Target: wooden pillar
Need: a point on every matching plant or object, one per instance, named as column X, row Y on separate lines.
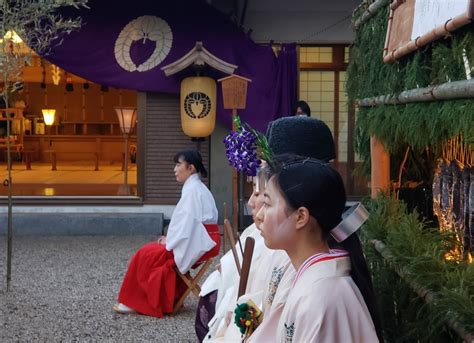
column 380, row 167
column 235, row 185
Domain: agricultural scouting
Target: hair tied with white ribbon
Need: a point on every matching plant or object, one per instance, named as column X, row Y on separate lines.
column 352, row 220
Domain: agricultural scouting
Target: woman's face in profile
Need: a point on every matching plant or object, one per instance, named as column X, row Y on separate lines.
column 276, row 225
column 183, row 170
column 257, row 198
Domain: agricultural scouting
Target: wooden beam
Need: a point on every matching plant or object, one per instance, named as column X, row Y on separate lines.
column 350, row 148
column 336, row 116
column 323, row 66
column 370, row 12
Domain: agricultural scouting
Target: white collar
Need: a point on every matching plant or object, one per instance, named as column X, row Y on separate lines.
column 340, row 266
column 192, row 178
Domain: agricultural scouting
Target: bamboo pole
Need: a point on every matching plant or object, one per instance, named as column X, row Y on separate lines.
column 422, row 292
column 235, row 184
column 370, row 12
column 463, row 89
column 437, row 33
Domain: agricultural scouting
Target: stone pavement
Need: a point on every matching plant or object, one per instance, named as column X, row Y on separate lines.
column 63, row 289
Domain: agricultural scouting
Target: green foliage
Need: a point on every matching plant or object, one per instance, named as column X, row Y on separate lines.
column 447, row 62
column 419, row 125
column 39, row 25
column 418, row 251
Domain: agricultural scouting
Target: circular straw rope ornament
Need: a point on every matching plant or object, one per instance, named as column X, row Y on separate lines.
column 142, row 28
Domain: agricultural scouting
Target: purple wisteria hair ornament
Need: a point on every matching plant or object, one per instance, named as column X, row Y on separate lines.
column 244, row 148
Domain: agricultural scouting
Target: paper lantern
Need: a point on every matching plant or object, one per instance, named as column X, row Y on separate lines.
column 198, row 106
column 127, row 116
column 48, row 115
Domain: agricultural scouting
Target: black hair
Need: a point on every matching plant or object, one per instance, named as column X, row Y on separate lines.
column 192, row 157
column 304, row 107
column 314, row 184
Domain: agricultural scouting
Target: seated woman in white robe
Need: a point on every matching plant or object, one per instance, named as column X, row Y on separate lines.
column 151, row 285
column 329, row 297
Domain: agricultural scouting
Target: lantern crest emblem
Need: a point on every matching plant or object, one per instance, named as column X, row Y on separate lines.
column 197, row 105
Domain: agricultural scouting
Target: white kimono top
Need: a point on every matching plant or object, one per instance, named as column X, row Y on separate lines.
column 187, row 237
column 227, row 276
column 226, row 283
column 270, row 281
column 279, row 282
column 325, row 306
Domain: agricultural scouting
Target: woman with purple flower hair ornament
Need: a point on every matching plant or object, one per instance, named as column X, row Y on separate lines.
column 271, row 272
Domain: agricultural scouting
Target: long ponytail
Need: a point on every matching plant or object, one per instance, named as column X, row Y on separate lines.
column 361, row 275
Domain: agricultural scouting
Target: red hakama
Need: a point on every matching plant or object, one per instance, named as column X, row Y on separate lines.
column 151, row 285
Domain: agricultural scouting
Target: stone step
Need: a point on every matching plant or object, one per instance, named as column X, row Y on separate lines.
column 84, row 223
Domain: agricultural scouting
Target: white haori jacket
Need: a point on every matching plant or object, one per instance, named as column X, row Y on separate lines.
column 187, row 237
column 272, row 281
column 228, row 275
column 226, row 282
column 279, row 281
column 325, row 305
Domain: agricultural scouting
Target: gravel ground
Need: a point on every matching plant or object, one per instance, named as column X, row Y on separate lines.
column 63, row 289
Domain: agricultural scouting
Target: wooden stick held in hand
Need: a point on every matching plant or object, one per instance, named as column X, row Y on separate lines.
column 244, row 275
column 230, row 235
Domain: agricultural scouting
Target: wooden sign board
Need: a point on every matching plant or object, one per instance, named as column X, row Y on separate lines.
column 415, row 23
column 234, row 92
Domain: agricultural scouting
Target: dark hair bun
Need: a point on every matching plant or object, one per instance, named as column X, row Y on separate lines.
column 192, row 157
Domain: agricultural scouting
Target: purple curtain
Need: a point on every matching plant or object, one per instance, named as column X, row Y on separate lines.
column 287, row 80
column 125, row 44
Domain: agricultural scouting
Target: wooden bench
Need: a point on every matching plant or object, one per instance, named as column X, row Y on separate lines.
column 19, row 150
column 54, row 153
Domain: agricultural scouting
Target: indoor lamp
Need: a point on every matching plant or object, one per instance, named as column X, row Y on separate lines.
column 127, row 118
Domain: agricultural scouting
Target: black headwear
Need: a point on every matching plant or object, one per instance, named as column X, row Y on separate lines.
column 302, row 136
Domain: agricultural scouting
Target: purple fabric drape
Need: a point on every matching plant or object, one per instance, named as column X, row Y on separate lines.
column 287, row 79
column 94, row 51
